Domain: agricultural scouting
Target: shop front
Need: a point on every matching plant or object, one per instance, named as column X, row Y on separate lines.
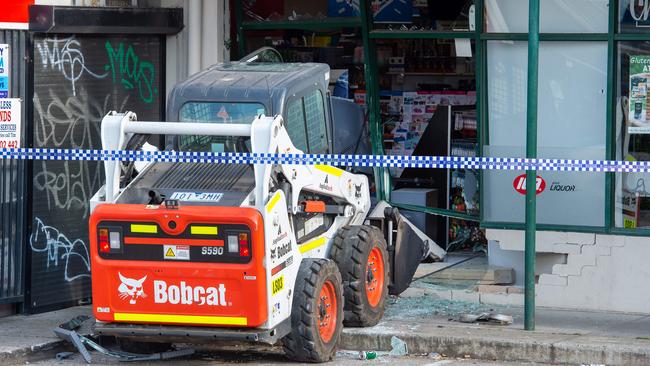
column 450, row 79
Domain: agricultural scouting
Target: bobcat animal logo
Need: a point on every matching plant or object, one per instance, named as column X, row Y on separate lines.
column 131, row 288
column 357, row 191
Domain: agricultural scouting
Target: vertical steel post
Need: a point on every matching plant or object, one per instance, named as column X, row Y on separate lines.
column 372, row 93
column 239, row 26
column 531, row 174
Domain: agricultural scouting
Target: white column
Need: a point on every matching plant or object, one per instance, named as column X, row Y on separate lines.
column 195, row 35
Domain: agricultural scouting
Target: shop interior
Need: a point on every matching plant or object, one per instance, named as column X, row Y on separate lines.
column 427, row 91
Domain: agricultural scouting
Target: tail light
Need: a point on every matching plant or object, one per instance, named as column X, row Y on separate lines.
column 243, row 245
column 110, row 240
column 104, row 244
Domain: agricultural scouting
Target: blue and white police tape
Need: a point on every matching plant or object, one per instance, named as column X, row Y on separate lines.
column 490, row 163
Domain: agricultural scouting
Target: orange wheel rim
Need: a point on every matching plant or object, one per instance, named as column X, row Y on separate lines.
column 327, row 311
column 375, row 276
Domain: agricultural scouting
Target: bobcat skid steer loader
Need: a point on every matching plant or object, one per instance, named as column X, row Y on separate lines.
column 208, row 252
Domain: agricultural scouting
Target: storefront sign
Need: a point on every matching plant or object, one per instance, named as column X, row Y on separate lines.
column 15, row 14
column 10, row 123
column 4, row 70
column 639, row 11
column 519, row 184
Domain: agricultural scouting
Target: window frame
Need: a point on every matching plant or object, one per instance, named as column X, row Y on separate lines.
column 613, row 37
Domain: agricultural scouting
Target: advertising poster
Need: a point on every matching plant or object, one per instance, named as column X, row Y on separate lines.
column 10, row 122
column 639, row 77
column 4, row 70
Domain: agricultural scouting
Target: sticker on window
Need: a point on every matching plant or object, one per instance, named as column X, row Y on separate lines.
column 196, row 196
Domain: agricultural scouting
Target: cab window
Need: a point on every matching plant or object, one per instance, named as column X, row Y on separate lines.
column 218, row 112
column 315, row 116
column 306, row 124
column 295, row 122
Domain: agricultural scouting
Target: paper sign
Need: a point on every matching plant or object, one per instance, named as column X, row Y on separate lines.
column 463, row 47
column 10, row 123
column 4, row 70
column 638, row 88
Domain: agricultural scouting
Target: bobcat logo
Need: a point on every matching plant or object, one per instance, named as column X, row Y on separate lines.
column 357, row 191
column 131, row 288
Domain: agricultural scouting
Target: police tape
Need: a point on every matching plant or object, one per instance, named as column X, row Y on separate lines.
column 396, row 161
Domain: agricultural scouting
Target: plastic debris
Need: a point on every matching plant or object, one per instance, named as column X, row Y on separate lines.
column 63, row 355
column 399, row 347
column 74, row 323
column 367, row 355
column 80, row 342
column 486, row 317
column 435, row 355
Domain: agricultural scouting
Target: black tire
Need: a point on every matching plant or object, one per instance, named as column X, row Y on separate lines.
column 305, row 343
column 132, row 346
column 350, row 250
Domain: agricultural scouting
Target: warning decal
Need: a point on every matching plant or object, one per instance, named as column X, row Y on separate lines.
column 176, row 252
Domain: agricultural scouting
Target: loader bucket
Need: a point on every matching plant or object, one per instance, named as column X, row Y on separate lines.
column 409, row 246
column 410, row 249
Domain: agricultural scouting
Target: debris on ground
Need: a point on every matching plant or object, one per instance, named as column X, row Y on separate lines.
column 63, row 355
column 435, row 356
column 399, row 347
column 367, row 355
column 74, row 323
column 486, row 317
column 80, row 342
column 430, row 306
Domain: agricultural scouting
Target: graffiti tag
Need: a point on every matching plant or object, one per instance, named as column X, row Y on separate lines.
column 131, row 71
column 65, row 56
column 60, row 251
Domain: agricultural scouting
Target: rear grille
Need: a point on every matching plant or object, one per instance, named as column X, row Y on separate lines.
column 201, row 176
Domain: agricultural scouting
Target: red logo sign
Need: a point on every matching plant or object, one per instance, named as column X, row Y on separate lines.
column 520, row 184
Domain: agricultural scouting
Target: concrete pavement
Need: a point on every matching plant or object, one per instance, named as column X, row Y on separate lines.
column 427, row 324
column 24, row 338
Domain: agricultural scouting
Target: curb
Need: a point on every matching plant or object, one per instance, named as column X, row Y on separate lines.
column 33, row 353
column 536, row 347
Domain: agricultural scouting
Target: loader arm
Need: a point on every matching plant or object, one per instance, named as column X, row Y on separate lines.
column 268, row 135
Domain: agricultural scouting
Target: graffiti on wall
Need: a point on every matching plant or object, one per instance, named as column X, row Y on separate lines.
column 60, row 251
column 132, row 72
column 78, row 79
column 66, row 57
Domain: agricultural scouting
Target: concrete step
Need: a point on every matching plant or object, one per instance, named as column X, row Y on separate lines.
column 480, row 274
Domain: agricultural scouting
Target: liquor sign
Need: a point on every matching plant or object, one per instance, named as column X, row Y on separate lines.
column 519, row 184
column 10, row 123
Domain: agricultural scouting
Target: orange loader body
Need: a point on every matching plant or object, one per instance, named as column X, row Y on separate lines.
column 161, row 274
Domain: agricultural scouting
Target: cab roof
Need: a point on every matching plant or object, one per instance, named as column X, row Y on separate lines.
column 265, row 83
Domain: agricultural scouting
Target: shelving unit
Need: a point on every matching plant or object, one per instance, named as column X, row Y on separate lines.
column 307, row 25
column 332, row 40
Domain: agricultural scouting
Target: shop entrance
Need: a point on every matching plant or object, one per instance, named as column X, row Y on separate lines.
column 418, row 86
